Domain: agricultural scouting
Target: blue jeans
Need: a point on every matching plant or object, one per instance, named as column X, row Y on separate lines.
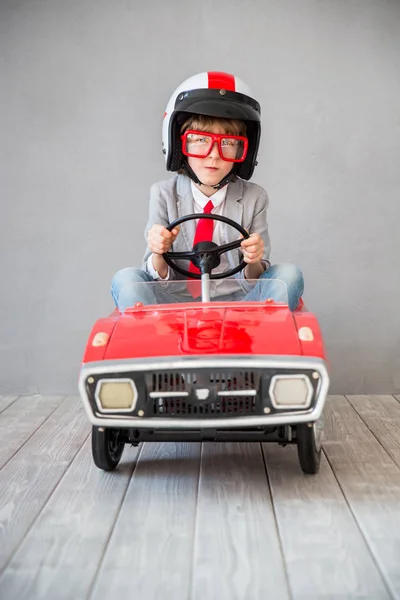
column 126, row 291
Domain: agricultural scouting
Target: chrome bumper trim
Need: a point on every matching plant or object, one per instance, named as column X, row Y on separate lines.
column 200, row 362
column 168, row 394
column 237, row 393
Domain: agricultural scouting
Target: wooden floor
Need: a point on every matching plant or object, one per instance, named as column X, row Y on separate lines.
column 191, row 521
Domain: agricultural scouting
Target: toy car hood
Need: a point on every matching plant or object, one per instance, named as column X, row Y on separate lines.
column 239, row 328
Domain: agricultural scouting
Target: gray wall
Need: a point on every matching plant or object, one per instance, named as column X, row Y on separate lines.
column 83, row 89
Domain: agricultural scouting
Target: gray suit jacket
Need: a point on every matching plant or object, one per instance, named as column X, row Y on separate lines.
column 246, row 203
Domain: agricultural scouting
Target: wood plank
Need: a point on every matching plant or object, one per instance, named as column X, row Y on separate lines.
column 20, row 421
column 325, row 553
column 29, row 478
column 381, row 414
column 6, row 401
column 67, row 541
column 237, row 548
column 370, row 481
column 150, row 552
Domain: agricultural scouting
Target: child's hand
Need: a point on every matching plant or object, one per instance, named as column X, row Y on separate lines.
column 160, row 239
column 253, row 249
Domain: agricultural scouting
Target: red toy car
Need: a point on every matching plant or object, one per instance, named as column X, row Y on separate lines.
column 209, row 371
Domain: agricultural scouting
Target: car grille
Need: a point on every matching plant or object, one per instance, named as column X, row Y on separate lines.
column 203, row 393
column 226, row 406
column 186, row 381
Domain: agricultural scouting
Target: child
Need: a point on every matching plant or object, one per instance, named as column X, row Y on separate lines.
column 211, row 135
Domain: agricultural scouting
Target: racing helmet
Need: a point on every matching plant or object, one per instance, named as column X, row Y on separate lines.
column 214, row 94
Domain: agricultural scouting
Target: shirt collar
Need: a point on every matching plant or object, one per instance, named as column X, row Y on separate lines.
column 202, row 199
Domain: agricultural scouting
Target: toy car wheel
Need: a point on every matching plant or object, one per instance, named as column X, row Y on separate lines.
column 107, row 448
column 309, row 445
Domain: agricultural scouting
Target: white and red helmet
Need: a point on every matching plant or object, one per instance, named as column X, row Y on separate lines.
column 214, row 94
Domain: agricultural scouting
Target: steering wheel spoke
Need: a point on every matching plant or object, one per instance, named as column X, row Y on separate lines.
column 181, row 255
column 227, row 247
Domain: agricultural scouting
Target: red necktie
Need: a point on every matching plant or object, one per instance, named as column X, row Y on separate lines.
column 204, row 233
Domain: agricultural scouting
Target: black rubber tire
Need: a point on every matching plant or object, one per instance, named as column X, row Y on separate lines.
column 106, row 448
column 308, row 453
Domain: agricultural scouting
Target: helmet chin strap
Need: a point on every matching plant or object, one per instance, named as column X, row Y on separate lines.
column 190, row 173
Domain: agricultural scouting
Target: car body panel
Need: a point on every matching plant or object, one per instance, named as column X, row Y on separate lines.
column 106, row 326
column 314, row 347
column 224, row 329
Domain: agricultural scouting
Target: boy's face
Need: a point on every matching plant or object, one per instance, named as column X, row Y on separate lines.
column 211, row 169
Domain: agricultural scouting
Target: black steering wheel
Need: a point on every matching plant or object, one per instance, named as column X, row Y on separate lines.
column 205, row 255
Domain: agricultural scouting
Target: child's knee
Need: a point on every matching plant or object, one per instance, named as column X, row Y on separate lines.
column 287, row 272
column 126, row 276
column 291, row 274
column 123, row 285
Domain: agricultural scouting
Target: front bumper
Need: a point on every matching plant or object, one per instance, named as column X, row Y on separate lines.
column 264, row 365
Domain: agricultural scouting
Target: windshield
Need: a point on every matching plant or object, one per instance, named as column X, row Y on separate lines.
column 273, row 291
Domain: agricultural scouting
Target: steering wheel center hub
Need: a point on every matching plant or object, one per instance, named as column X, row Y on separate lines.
column 204, row 257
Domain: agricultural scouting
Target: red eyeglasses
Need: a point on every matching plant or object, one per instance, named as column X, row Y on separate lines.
column 198, row 144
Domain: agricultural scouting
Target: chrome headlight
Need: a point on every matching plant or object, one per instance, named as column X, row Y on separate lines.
column 116, row 395
column 291, row 391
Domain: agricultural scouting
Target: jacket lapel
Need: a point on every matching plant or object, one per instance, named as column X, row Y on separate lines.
column 233, row 209
column 185, row 207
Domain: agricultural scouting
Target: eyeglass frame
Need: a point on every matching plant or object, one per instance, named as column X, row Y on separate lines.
column 216, row 137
